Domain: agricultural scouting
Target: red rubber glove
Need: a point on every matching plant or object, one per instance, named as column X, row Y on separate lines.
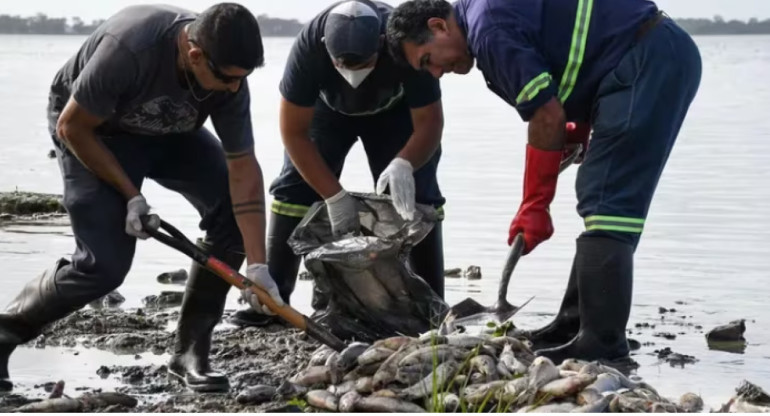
column 533, row 218
column 577, row 133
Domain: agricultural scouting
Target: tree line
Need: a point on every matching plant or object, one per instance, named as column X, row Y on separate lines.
column 271, row 26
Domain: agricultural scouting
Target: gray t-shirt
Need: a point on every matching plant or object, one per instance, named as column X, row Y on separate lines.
column 126, row 73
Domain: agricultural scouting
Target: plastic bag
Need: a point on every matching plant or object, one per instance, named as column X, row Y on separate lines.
column 372, row 291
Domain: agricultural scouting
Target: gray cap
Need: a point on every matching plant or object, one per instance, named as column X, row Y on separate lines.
column 352, row 27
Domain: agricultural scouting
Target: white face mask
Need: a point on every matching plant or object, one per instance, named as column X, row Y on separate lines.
column 354, row 77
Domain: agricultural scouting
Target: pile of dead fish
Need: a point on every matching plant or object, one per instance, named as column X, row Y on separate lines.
column 462, row 373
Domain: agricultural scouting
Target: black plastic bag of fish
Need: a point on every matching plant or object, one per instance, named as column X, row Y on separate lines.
column 372, row 291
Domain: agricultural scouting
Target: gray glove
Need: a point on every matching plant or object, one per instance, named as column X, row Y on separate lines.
column 258, row 274
column 343, row 214
column 137, row 207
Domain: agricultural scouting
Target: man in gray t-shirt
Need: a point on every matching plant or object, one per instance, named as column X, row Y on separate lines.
column 130, row 105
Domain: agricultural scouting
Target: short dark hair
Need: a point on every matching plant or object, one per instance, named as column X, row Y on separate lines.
column 230, row 36
column 351, row 59
column 409, row 23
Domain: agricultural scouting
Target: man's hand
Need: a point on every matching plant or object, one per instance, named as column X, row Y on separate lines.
column 577, row 134
column 137, row 207
column 258, row 274
column 343, row 214
column 399, row 177
column 535, row 222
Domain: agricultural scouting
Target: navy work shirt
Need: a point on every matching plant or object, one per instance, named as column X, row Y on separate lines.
column 310, row 74
column 532, row 50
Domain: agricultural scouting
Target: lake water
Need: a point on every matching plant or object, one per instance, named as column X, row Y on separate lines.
column 705, row 250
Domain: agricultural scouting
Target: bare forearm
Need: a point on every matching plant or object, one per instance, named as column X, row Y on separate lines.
column 308, row 161
column 248, row 199
column 97, row 158
column 546, row 128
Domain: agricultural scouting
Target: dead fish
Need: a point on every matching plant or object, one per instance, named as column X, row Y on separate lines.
column 256, row 395
column 349, row 356
column 320, row 356
column 385, row 393
column 450, row 401
column 588, row 396
column 541, row 372
column 322, row 399
column 478, row 393
column 312, row 376
column 485, row 365
column 691, row 403
column 464, row 340
column 361, row 371
column 57, row 390
column 428, row 354
column 288, row 390
column 364, row 385
column 348, row 401
column 590, row 368
column 598, row 406
column 565, row 407
column 393, row 343
column 625, row 404
column 503, row 372
column 572, row 364
column 624, row 381
column 442, row 374
column 460, row 380
column 429, row 336
column 643, row 393
column 386, row 404
column 412, row 374
column 340, row 389
column 663, row 407
column 513, row 389
column 508, row 358
column 566, row 387
column 60, row 405
column 94, row 401
column 605, row 382
column 516, row 344
column 336, row 372
column 742, row 406
column 387, row 371
column 375, row 354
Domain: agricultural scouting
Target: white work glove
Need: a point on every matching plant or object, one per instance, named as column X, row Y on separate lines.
column 343, row 214
column 399, row 176
column 137, row 207
column 258, row 274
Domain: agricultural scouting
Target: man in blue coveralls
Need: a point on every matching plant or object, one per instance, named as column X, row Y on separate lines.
column 624, row 70
column 339, row 85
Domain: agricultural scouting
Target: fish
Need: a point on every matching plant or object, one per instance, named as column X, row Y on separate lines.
column 541, row 372
column 288, row 390
column 340, row 389
column 322, row 399
column 691, row 403
column 513, row 389
column 508, row 359
column 362, row 371
column 566, row 387
column 572, row 364
column 485, row 365
column 565, row 407
column 464, row 340
column 625, row 404
column 58, row 405
column 311, row 376
column 57, row 390
column 598, row 406
column 256, row 395
column 335, row 368
column 348, row 401
column 387, row 371
column 393, row 343
column 348, row 358
column 364, row 384
column 412, row 374
column 478, row 393
column 386, row 404
column 320, row 356
column 385, row 393
column 375, row 354
column 431, row 354
column 423, row 388
column 450, row 401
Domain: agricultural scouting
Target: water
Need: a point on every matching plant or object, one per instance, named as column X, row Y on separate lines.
column 705, row 242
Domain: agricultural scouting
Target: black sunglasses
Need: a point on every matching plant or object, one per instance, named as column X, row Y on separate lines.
column 227, row 79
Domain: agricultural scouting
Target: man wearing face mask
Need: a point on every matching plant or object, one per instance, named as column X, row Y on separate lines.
column 131, row 105
column 339, row 85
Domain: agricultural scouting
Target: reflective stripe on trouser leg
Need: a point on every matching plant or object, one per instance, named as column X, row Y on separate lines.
column 610, row 223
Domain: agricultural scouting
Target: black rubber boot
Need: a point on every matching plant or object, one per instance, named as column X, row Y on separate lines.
column 202, row 308
column 427, row 260
column 567, row 322
column 283, row 265
column 27, row 315
column 605, row 282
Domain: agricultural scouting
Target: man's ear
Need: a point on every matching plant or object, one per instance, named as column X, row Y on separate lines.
column 437, row 24
column 195, row 54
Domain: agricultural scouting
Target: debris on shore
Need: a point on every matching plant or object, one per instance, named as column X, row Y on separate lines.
column 29, row 203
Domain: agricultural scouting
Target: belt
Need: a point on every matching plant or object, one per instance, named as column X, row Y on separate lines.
column 649, row 24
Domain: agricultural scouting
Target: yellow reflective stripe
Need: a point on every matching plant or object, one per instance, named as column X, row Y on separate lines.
column 530, row 90
column 577, row 49
column 610, row 223
column 289, row 210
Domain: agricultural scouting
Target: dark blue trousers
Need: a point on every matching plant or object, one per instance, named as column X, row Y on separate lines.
column 192, row 164
column 638, row 112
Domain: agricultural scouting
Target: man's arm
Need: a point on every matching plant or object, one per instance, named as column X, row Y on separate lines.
column 75, row 129
column 546, row 128
column 428, row 122
column 248, row 199
column 295, row 133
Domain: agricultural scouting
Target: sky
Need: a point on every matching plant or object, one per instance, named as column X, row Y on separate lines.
column 303, row 10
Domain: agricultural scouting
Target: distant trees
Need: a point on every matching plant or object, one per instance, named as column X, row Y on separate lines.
column 271, row 26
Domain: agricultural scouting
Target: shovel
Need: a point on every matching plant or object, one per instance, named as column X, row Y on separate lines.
column 470, row 311
column 177, row 240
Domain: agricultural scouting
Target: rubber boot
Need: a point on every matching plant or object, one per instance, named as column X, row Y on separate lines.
column 427, row 259
column 36, row 306
column 605, row 282
column 283, row 265
column 567, row 322
column 202, row 307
